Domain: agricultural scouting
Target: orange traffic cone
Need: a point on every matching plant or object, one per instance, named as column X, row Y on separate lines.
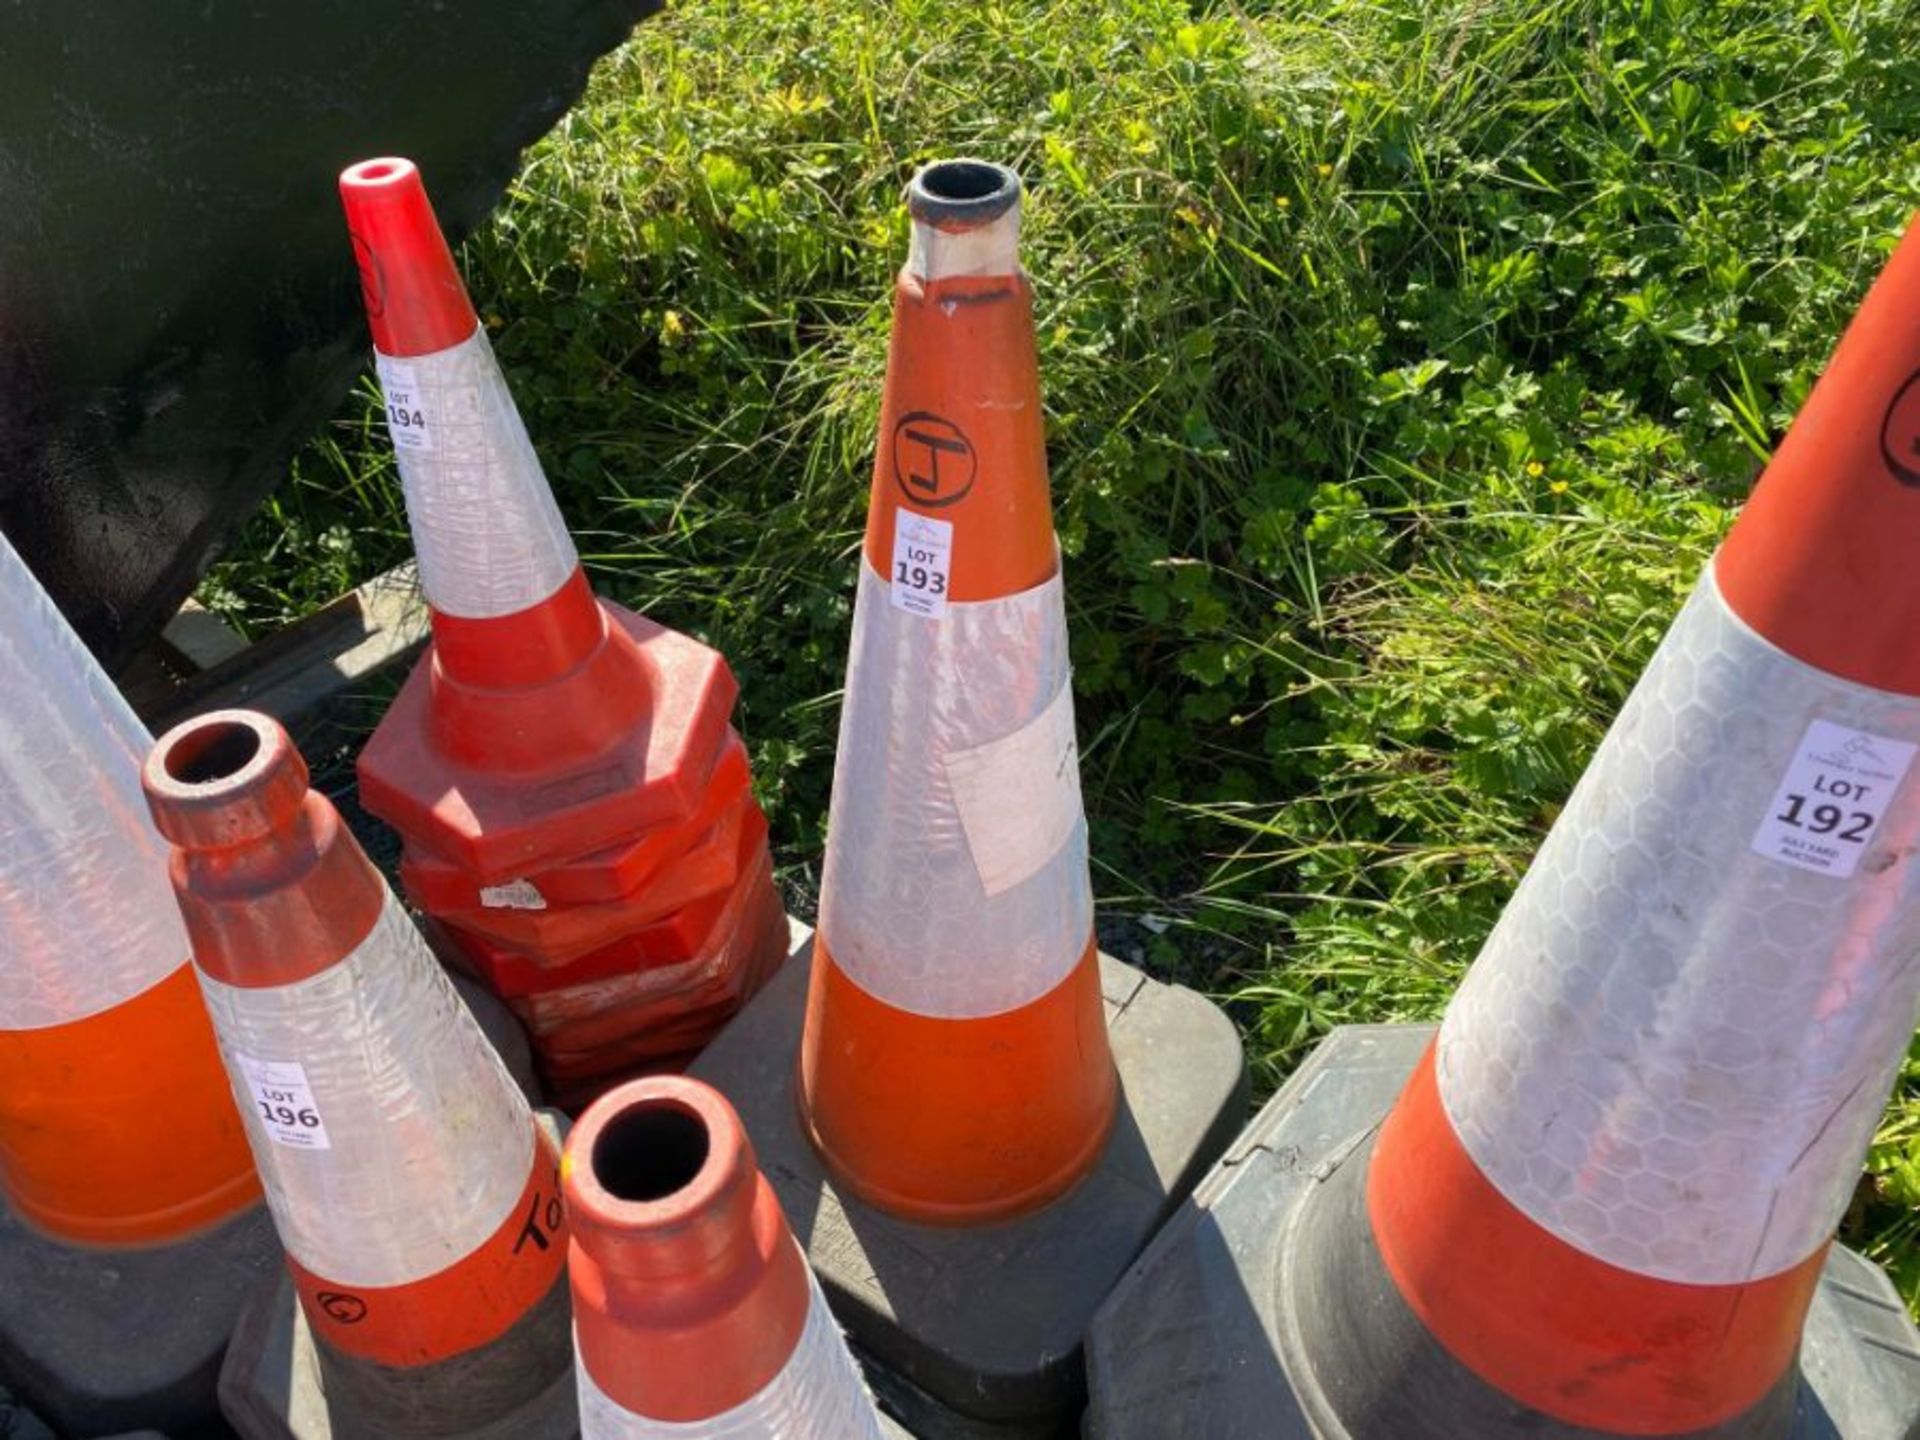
column 695, row 1315
column 1603, row 1203
column 415, row 1195
column 116, row 1123
column 955, row 1066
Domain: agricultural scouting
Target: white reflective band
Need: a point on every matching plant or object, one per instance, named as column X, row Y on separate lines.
column 429, row 1139
column 489, row 536
column 1673, row 1050
column 989, row 249
column 818, row 1395
column 89, row 917
column 904, row 908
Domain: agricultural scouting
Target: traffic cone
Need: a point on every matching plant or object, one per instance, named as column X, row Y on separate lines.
column 955, row 1066
column 116, row 1124
column 695, row 1314
column 1603, row 1203
column 130, row 1222
column 415, row 1195
column 556, row 764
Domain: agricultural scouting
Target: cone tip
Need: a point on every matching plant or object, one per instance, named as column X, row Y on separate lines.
column 962, row 193
column 416, row 302
column 654, row 1156
column 382, row 173
column 223, row 778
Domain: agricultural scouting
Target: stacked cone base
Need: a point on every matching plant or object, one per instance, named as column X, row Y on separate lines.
column 980, row 1327
column 656, row 1018
column 1274, row 1259
column 102, row 1342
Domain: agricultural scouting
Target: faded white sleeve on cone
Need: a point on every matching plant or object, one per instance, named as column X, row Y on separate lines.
column 906, row 907
column 89, row 915
column 404, row 1143
column 992, row 248
column 488, row 533
column 1674, row 1048
column 819, row 1395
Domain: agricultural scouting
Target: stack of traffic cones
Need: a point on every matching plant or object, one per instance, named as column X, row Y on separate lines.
column 574, row 804
column 1604, row 1202
column 415, row 1194
column 695, row 1315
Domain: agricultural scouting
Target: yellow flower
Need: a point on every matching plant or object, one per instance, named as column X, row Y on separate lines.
column 672, row 326
column 1188, row 214
column 1283, row 202
column 1536, row 469
column 1742, row 124
column 1558, row 487
column 1325, row 170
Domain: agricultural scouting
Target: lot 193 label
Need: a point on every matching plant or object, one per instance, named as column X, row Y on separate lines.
column 922, row 564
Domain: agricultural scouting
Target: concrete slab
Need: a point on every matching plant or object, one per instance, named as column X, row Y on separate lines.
column 1204, row 1336
column 978, row 1332
column 98, row 1342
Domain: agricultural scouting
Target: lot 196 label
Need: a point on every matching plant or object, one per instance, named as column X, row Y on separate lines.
column 282, row 1100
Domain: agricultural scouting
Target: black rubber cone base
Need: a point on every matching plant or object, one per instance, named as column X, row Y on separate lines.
column 99, row 1342
column 977, row 1332
column 1248, row 1320
column 279, row 1383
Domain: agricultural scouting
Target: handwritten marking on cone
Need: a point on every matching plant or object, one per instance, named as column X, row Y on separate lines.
column 1900, row 433
column 934, row 463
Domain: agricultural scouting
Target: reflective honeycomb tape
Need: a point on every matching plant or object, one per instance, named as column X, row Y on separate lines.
column 487, row 531
column 817, row 1395
column 1674, row 1048
column 396, row 1151
column 1610, row 1187
column 906, row 908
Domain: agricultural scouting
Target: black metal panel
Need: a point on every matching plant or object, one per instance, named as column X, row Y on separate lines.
column 178, row 307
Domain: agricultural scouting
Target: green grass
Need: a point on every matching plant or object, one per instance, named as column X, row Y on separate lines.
column 1403, row 360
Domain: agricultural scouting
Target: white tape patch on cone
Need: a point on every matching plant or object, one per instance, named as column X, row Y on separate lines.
column 90, row 917
column 488, row 534
column 1675, row 1046
column 818, row 1395
column 923, row 909
column 390, row 1139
